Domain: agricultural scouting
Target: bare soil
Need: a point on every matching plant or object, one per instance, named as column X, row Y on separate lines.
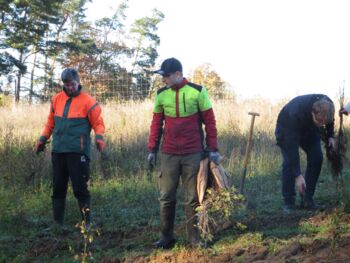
column 326, row 248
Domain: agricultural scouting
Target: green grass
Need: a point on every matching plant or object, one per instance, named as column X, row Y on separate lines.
column 125, row 212
column 125, row 205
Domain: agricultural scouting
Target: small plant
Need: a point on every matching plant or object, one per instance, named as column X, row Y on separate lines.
column 88, row 233
column 217, row 210
column 336, row 226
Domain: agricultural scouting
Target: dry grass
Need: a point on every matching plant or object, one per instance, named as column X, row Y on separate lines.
column 127, row 128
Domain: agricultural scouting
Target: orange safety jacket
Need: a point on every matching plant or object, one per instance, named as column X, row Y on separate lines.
column 70, row 121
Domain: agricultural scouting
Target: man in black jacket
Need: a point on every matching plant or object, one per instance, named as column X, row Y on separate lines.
column 297, row 126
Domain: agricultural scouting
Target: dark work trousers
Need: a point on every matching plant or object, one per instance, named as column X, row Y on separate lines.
column 74, row 166
column 311, row 145
column 172, row 168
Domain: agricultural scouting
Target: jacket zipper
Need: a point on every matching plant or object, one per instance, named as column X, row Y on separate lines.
column 184, row 101
column 177, row 103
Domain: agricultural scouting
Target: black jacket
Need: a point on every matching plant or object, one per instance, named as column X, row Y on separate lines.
column 295, row 119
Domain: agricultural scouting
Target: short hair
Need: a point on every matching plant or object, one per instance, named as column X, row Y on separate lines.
column 70, row 74
column 324, row 110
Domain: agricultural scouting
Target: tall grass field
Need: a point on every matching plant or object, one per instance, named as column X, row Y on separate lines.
column 125, row 205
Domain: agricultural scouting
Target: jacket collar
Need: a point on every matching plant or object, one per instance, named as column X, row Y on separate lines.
column 180, row 85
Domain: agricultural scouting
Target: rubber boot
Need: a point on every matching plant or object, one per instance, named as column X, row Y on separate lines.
column 58, row 207
column 167, row 219
column 85, row 211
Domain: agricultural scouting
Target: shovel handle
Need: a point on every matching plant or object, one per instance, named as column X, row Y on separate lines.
column 248, row 149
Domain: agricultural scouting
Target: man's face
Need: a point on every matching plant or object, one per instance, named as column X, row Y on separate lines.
column 71, row 86
column 319, row 119
column 172, row 79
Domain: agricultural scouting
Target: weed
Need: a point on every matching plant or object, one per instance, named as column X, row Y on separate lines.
column 88, row 233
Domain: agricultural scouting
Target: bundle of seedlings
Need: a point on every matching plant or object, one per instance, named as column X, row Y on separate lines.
column 219, row 201
column 337, row 155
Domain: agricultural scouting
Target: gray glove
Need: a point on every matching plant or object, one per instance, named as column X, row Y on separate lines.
column 215, row 157
column 152, row 160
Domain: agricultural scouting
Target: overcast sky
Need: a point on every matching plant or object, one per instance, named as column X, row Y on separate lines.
column 267, row 48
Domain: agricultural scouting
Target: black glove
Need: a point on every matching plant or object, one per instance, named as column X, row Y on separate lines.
column 152, row 160
column 40, row 145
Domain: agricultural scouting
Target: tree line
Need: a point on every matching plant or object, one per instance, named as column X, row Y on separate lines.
column 40, row 37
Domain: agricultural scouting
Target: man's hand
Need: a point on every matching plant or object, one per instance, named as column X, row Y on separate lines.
column 331, row 143
column 39, row 147
column 301, row 185
column 215, row 157
column 40, row 144
column 343, row 111
column 151, row 159
column 101, row 145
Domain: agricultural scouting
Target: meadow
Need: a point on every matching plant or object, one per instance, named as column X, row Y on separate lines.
column 124, row 193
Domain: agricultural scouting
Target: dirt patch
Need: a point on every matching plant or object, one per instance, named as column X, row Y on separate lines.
column 316, row 251
column 45, row 247
column 315, row 248
column 256, row 223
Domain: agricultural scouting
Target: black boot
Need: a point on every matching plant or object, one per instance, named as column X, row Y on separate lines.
column 167, row 218
column 85, row 211
column 58, row 207
column 309, row 204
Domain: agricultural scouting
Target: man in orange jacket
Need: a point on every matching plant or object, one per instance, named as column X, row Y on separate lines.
column 72, row 115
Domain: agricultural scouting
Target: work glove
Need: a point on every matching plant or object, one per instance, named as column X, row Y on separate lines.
column 101, row 145
column 215, row 157
column 151, row 159
column 40, row 144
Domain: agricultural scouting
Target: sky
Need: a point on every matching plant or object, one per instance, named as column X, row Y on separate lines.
column 263, row 48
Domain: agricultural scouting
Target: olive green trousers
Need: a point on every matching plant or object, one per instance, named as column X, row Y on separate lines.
column 174, row 167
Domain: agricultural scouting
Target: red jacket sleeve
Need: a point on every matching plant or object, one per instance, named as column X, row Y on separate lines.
column 156, row 131
column 209, row 121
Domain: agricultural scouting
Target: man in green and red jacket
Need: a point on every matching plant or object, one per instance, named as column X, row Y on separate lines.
column 183, row 107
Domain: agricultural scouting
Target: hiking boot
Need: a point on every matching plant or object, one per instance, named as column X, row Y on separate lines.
column 164, row 243
column 288, row 208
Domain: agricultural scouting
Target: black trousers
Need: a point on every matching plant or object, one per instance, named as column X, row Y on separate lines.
column 311, row 145
column 74, row 166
